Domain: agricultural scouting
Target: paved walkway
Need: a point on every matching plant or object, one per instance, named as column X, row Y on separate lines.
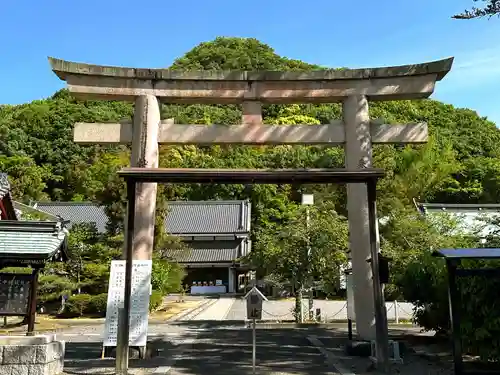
column 224, row 348
column 217, row 311
column 228, row 351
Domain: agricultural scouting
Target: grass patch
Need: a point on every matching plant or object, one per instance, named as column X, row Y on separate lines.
column 47, row 323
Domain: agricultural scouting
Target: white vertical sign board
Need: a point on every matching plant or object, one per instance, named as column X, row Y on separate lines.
column 139, row 309
column 350, row 298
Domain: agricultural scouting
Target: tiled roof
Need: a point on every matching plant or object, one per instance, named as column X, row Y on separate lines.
column 183, row 217
column 24, row 211
column 207, row 252
column 31, row 239
column 458, row 207
column 208, row 217
column 76, row 213
column 472, row 218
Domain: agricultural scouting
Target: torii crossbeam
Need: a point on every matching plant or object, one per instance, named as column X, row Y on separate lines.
column 354, row 88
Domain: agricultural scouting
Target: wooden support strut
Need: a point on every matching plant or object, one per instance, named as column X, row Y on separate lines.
column 32, row 302
column 249, row 133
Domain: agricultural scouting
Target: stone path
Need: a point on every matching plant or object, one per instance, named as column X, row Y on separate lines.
column 217, row 342
column 224, row 348
column 228, row 351
column 217, row 311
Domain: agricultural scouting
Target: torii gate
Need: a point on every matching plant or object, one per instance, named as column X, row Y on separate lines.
column 354, row 88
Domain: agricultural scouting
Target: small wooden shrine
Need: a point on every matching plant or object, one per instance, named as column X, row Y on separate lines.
column 25, row 244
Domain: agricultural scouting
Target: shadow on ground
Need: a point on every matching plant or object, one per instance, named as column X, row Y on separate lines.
column 228, row 350
column 215, row 347
column 85, row 357
column 225, row 348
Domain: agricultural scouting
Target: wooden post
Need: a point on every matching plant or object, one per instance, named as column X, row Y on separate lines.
column 122, row 345
column 32, row 302
column 454, row 306
column 382, row 335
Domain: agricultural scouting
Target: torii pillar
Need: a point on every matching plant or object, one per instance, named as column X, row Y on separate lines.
column 146, row 126
column 356, row 132
column 358, row 154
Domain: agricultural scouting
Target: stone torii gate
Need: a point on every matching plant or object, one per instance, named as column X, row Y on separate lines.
column 354, row 88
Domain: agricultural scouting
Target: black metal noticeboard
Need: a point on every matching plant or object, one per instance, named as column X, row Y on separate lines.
column 14, row 293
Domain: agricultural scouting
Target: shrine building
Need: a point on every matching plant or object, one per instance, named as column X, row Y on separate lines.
column 216, row 232
column 472, row 219
column 23, row 244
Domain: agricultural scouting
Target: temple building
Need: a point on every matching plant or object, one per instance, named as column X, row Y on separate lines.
column 473, row 219
column 216, row 232
column 25, row 243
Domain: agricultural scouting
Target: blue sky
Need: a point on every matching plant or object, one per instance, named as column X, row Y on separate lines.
column 152, row 33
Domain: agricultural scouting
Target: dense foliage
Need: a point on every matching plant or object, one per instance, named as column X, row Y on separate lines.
column 459, row 164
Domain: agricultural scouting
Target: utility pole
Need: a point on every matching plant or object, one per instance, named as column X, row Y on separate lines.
column 308, row 200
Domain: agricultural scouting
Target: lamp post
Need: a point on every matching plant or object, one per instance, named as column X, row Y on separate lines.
column 308, row 200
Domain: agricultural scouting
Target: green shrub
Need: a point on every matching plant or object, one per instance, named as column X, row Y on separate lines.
column 166, row 277
column 77, row 305
column 98, row 304
column 424, row 283
column 155, row 300
column 480, row 312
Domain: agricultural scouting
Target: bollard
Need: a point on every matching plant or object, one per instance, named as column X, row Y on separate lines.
column 396, row 312
column 318, row 315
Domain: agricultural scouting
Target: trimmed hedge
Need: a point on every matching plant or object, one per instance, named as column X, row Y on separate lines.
column 95, row 305
column 77, row 305
column 98, row 304
column 155, row 300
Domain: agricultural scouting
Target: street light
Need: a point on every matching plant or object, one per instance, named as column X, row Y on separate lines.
column 308, row 200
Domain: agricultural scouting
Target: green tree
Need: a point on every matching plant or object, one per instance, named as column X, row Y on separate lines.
column 236, row 54
column 28, row 180
column 299, row 249
column 489, row 9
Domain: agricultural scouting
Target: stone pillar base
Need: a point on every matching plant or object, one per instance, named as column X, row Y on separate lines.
column 31, row 355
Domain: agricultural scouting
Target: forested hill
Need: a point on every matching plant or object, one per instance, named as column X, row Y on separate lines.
column 460, row 163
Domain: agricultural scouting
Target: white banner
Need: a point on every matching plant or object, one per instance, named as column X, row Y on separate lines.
column 139, row 310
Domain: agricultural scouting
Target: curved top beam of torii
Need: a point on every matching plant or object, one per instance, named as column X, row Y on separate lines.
column 224, row 87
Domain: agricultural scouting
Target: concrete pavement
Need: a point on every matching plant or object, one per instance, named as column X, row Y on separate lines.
column 228, row 351
column 192, row 348
column 217, row 311
column 217, row 341
column 225, row 348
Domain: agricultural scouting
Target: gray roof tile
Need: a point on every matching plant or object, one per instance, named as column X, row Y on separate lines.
column 207, row 252
column 76, row 213
column 208, row 217
column 472, row 219
column 30, row 239
column 183, row 217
